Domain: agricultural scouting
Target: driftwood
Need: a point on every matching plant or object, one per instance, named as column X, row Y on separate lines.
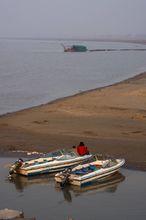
column 10, row 214
column 6, row 214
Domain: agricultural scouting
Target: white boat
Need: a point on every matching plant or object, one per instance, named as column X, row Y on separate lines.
column 52, row 162
column 89, row 172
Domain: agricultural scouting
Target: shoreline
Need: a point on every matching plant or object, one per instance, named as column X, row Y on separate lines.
column 110, row 120
column 135, row 77
column 120, row 40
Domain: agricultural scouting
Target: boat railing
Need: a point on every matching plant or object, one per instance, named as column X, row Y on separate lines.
column 56, row 153
column 60, row 153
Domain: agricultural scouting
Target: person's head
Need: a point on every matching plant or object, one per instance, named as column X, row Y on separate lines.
column 81, row 143
column 73, row 147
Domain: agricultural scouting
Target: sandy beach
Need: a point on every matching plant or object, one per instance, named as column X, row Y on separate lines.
column 110, row 120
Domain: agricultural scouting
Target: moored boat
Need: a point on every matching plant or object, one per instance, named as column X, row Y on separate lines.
column 51, row 162
column 109, row 185
column 89, row 172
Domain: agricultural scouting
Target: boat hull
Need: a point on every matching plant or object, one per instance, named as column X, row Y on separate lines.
column 50, row 167
column 93, row 179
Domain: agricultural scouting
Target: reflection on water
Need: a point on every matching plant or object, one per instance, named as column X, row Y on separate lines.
column 22, row 182
column 121, row 197
column 109, row 184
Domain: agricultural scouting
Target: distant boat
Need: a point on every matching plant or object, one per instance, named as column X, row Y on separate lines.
column 75, row 48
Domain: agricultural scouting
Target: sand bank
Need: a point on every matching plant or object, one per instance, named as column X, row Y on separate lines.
column 110, row 120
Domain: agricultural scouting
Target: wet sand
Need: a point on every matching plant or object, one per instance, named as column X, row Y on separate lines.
column 110, row 120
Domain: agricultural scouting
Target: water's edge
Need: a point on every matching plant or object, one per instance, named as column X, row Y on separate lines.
column 136, row 77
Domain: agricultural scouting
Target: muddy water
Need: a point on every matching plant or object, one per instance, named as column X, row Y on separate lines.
column 121, row 197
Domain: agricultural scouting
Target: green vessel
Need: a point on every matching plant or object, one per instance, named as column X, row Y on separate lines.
column 75, row 48
column 79, row 48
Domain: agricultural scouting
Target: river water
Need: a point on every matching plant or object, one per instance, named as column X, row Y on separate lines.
column 34, row 72
column 122, row 197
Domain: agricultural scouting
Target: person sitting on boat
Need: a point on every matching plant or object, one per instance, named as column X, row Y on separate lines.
column 74, row 148
column 82, row 149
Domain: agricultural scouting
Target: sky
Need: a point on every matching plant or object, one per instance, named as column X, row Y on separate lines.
column 72, row 18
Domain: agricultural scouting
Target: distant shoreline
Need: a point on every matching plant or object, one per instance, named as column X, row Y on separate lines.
column 120, row 40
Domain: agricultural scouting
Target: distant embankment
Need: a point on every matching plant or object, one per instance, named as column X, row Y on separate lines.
column 117, row 50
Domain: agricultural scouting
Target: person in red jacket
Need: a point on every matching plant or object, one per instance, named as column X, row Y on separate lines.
column 82, row 149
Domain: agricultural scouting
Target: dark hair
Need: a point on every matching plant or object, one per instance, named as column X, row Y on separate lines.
column 73, row 146
column 20, row 160
column 81, row 143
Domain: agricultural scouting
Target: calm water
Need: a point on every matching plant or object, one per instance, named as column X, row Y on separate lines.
column 33, row 72
column 122, row 197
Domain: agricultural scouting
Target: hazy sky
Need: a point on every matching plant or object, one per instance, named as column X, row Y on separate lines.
column 71, row 18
